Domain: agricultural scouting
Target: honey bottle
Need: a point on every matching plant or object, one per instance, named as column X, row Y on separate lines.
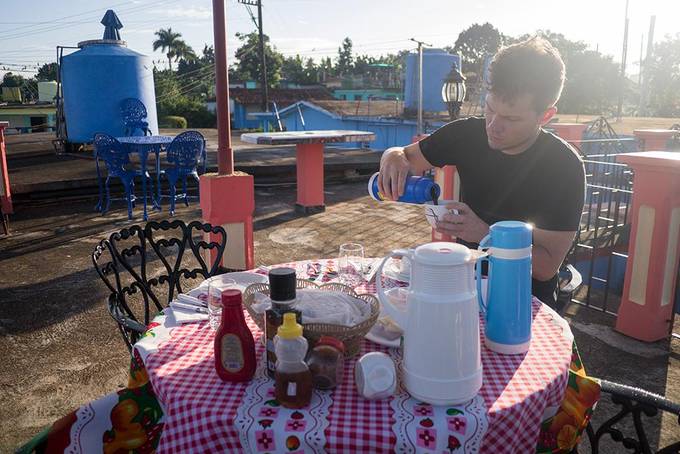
column 293, row 379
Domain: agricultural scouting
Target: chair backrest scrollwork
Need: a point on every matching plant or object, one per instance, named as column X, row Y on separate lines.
column 145, row 267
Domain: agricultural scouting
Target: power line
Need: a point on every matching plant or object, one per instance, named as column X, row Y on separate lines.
column 58, row 27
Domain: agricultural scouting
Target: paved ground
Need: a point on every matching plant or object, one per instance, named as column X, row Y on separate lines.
column 59, row 348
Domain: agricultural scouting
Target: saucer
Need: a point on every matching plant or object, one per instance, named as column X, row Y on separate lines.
column 392, row 270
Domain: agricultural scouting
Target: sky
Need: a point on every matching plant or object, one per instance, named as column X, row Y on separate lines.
column 30, row 30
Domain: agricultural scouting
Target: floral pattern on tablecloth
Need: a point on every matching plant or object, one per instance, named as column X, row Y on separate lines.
column 265, row 426
column 424, row 428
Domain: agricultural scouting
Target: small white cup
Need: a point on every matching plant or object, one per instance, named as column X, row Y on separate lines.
column 437, row 212
column 375, row 376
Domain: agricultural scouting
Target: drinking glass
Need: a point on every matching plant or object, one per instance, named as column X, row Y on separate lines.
column 215, row 288
column 351, row 264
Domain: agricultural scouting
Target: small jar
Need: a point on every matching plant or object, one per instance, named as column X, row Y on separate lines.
column 327, row 362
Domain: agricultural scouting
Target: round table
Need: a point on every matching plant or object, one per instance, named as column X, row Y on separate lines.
column 143, row 145
column 204, row 413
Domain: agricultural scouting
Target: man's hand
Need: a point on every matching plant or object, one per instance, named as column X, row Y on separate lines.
column 465, row 225
column 394, row 167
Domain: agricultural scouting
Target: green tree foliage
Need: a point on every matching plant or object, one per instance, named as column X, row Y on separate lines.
column 475, row 42
column 174, row 47
column 663, row 72
column 248, row 56
column 47, row 72
column 12, row 80
column 183, row 93
column 295, row 70
column 345, row 59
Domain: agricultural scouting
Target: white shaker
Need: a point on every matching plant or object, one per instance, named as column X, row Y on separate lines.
column 375, row 376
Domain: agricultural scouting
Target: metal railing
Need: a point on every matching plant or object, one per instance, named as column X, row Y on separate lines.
column 601, row 244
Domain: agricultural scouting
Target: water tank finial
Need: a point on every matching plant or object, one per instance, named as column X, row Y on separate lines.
column 111, row 25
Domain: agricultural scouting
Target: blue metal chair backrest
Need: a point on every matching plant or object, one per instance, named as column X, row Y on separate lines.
column 133, row 110
column 113, row 153
column 185, row 151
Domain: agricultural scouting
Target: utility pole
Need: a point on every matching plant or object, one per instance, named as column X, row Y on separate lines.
column 263, row 61
column 644, row 92
column 624, row 56
column 419, row 127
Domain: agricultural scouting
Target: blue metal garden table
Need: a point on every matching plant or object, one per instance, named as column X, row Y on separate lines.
column 143, row 145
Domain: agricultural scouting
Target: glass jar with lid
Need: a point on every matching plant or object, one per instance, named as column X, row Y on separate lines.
column 327, row 362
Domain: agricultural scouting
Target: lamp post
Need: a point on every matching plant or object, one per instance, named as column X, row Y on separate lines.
column 453, row 92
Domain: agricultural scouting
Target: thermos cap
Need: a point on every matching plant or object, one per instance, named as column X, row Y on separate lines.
column 282, row 284
column 511, row 235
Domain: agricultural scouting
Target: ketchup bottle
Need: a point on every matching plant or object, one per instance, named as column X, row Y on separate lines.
column 234, row 344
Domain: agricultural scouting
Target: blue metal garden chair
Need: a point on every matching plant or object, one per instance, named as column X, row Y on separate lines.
column 117, row 161
column 134, row 116
column 185, row 153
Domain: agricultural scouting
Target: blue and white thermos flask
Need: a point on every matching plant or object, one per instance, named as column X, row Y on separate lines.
column 507, row 309
column 417, row 190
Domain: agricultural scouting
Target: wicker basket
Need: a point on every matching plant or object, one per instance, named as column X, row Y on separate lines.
column 351, row 336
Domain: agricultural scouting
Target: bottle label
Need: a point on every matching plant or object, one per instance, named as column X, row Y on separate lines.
column 231, row 353
column 292, row 389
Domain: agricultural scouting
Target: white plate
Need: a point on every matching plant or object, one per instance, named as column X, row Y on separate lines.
column 392, row 270
column 243, row 279
column 395, row 343
column 398, row 297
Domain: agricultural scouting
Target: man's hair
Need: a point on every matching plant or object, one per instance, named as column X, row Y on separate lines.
column 530, row 67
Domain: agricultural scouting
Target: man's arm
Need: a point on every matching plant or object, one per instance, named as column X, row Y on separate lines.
column 395, row 165
column 550, row 249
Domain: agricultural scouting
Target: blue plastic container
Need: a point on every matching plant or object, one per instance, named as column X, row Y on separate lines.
column 95, row 79
column 417, row 190
column 437, row 64
column 508, row 305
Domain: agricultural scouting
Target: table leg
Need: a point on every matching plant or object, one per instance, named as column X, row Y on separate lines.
column 100, row 204
column 157, row 199
column 143, row 155
column 310, row 197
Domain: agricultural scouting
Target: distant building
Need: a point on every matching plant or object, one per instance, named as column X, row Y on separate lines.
column 380, row 117
column 29, row 117
column 364, row 94
column 244, row 101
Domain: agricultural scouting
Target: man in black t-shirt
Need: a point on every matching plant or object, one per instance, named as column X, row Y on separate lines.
column 509, row 167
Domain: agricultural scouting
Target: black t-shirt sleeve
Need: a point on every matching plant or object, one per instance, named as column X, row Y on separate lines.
column 448, row 144
column 563, row 200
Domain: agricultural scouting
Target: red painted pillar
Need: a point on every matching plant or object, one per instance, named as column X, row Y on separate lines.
column 448, row 180
column 654, row 139
column 571, row 132
column 646, row 307
column 309, row 166
column 5, row 192
column 228, row 197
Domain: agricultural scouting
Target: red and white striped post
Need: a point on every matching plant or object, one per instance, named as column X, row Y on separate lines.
column 228, row 197
column 647, row 303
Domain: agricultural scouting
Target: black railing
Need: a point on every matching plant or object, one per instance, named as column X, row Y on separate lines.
column 601, row 245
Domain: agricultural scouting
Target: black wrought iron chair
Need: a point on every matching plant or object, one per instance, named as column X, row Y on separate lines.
column 633, row 403
column 145, row 267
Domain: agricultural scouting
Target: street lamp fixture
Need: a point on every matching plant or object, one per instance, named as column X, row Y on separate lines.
column 453, row 92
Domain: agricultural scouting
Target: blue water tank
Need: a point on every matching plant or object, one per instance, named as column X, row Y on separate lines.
column 95, row 79
column 437, row 64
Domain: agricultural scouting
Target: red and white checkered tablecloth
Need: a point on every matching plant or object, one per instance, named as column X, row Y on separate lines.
column 200, row 408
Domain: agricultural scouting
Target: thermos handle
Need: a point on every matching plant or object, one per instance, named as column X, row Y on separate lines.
column 478, row 274
column 478, row 278
column 398, row 316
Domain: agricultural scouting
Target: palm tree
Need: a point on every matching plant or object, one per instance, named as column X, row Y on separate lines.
column 167, row 39
column 184, row 51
